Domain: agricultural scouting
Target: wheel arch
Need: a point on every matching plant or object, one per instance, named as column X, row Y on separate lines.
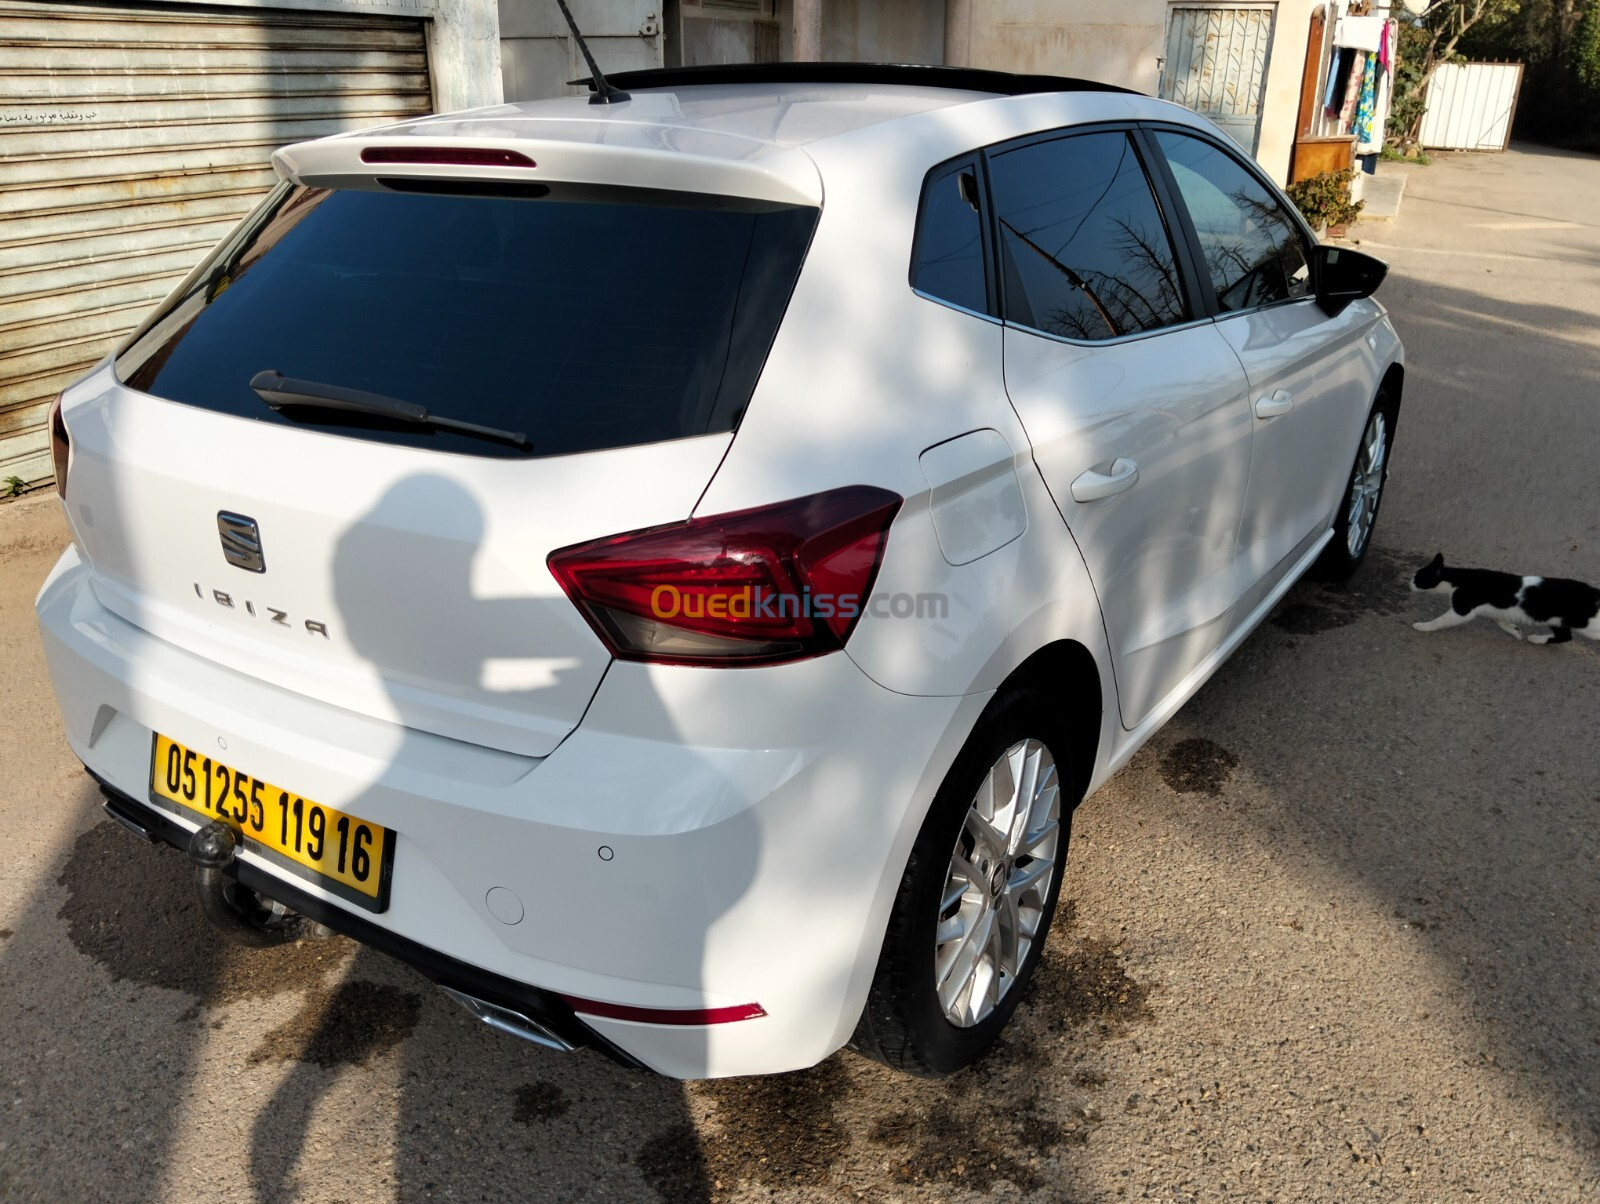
column 1066, row 671
column 1393, row 384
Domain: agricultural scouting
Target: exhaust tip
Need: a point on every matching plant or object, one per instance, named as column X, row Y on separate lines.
column 512, row 1023
column 141, row 830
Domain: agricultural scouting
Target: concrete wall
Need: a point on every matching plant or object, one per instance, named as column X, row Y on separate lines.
column 1124, row 42
column 1280, row 106
column 538, row 55
column 463, row 41
column 1115, row 41
column 883, row 31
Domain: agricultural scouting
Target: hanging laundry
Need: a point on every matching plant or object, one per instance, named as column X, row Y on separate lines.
column 1359, row 33
column 1352, row 90
column 1339, row 81
column 1366, row 107
column 1330, row 94
column 1386, row 46
column 1380, row 118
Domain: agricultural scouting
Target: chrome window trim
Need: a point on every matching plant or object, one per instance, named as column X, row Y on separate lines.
column 1135, row 337
column 960, row 309
column 1226, row 315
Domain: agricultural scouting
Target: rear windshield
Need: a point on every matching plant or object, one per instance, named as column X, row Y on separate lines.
column 585, row 320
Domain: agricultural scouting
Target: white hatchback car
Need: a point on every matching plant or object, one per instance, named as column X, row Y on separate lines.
column 668, row 570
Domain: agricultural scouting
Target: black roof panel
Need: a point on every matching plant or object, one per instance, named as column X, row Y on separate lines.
column 971, row 79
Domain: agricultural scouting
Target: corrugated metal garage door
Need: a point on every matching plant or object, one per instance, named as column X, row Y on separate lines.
column 131, row 138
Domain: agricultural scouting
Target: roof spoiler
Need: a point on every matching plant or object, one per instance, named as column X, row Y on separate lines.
column 967, row 79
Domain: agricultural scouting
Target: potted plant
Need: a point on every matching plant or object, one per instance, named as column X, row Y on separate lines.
column 1324, row 200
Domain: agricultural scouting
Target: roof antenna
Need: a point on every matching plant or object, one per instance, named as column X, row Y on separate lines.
column 604, row 92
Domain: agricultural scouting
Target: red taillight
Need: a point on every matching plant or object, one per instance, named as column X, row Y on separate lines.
column 60, row 445
column 777, row 583
column 455, row 156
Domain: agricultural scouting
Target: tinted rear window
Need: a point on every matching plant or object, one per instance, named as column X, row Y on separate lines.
column 948, row 262
column 587, row 323
column 1085, row 252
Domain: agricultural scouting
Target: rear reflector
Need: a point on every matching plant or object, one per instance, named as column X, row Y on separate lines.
column 455, row 156
column 623, row 1011
column 60, row 445
column 777, row 583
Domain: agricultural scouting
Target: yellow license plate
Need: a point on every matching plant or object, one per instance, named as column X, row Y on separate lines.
column 345, row 855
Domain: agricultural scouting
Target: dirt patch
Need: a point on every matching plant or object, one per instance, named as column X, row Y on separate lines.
column 1197, row 766
column 539, row 1102
column 6, row 934
column 1381, row 586
column 773, row 1132
column 952, row 1136
column 674, row 1166
column 348, row 1026
column 946, row 1143
column 779, row 1130
column 131, row 908
column 1082, row 983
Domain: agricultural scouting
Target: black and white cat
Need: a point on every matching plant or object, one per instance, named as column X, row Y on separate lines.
column 1565, row 605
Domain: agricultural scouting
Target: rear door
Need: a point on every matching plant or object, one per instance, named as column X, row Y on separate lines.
column 1134, row 404
column 396, row 568
column 1309, row 386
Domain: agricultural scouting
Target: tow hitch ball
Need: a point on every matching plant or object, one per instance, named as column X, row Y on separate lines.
column 240, row 914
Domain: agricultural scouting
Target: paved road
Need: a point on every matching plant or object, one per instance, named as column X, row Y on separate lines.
column 1333, row 936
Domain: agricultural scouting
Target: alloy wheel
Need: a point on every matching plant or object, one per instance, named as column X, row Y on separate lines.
column 1366, row 483
column 999, row 881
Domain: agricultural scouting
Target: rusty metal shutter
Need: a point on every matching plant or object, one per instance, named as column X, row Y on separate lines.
column 131, row 138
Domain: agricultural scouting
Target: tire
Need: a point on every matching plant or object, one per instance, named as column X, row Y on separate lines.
column 1354, row 523
column 905, row 1023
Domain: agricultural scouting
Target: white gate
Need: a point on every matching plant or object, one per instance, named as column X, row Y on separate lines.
column 1216, row 64
column 1470, row 106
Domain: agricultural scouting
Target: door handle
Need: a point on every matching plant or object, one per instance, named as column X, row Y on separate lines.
column 1279, row 403
column 1092, row 486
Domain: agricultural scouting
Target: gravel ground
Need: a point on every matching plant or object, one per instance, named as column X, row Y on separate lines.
column 1331, row 936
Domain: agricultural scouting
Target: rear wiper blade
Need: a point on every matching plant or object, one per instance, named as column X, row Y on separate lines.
column 280, row 393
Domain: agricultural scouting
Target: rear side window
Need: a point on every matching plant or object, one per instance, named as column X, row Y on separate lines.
column 1084, row 251
column 588, row 321
column 947, row 263
column 1254, row 250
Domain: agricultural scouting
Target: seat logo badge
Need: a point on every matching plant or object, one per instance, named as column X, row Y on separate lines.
column 241, row 541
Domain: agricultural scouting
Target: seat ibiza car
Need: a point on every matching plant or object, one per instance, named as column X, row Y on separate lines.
column 669, row 569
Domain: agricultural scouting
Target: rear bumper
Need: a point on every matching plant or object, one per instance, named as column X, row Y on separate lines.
column 547, row 1009
column 705, row 839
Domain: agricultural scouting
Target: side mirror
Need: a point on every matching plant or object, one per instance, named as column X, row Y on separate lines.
column 1342, row 276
